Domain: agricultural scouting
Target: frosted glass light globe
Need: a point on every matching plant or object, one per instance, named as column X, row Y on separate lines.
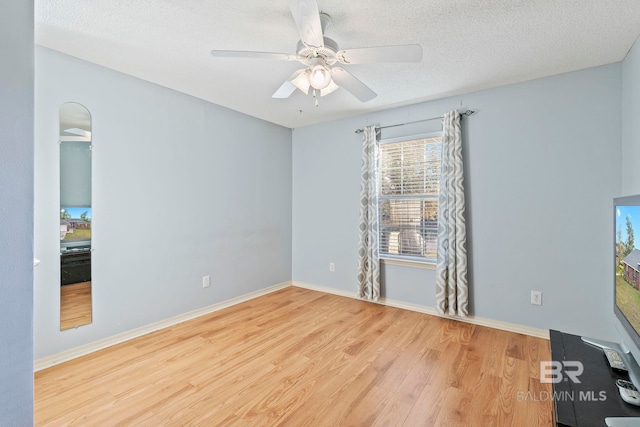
column 320, row 77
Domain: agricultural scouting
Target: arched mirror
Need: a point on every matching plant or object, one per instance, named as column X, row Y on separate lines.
column 75, row 216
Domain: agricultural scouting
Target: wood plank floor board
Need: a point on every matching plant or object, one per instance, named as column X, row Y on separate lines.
column 514, row 378
column 536, row 351
column 75, row 305
column 266, row 399
column 536, row 412
column 340, row 373
column 428, row 405
column 494, row 348
column 398, row 406
column 299, row 357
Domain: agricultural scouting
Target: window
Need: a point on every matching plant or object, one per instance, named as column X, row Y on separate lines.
column 408, row 185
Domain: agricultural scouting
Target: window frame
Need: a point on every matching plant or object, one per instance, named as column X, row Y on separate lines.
column 404, row 260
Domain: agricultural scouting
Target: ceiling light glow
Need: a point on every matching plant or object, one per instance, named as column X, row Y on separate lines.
column 320, row 77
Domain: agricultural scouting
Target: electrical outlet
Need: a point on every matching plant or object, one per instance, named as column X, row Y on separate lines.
column 536, row 298
column 206, row 281
column 332, row 267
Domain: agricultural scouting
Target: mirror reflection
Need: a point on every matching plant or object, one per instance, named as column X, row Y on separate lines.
column 75, row 216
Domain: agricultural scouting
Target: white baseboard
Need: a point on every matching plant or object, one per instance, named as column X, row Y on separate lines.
column 48, row 361
column 496, row 324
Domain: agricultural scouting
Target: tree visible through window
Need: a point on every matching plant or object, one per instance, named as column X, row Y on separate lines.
column 408, row 185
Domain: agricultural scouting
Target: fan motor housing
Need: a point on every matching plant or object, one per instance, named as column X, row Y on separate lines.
column 328, row 52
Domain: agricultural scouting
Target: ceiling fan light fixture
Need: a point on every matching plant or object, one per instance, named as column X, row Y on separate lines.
column 320, row 75
column 329, row 89
column 302, row 82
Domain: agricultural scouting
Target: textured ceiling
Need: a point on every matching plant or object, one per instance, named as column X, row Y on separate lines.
column 468, row 45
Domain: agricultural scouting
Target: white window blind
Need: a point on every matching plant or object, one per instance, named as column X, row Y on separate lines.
column 409, row 181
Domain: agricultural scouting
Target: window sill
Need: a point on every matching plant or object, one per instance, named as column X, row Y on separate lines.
column 409, row 263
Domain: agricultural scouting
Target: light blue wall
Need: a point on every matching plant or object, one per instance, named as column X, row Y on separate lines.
column 542, row 167
column 16, row 220
column 630, row 142
column 631, row 122
column 182, row 188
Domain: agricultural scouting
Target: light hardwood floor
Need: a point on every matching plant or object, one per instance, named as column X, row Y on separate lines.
column 75, row 305
column 302, row 358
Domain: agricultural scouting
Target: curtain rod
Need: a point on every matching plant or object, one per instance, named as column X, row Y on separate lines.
column 466, row 113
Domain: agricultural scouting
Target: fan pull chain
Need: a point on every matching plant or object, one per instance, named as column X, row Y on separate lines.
column 315, row 97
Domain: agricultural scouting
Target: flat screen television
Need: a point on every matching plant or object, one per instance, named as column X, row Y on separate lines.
column 627, row 265
column 75, row 226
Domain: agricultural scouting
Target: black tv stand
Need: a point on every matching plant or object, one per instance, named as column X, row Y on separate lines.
column 625, row 354
column 595, row 398
column 75, row 265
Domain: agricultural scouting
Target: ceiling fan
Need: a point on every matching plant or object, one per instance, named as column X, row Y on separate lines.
column 320, row 54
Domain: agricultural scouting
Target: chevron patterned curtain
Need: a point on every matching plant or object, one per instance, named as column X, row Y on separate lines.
column 369, row 263
column 452, row 291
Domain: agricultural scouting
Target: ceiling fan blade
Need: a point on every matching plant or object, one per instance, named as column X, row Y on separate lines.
column 307, row 17
column 255, row 55
column 346, row 80
column 284, row 91
column 367, row 55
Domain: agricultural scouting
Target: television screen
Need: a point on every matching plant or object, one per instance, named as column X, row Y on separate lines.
column 75, row 225
column 627, row 264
